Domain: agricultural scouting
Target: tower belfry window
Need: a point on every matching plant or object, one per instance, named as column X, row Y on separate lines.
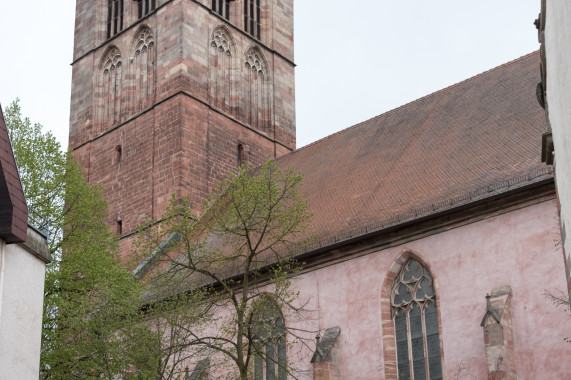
column 114, row 17
column 252, row 17
column 222, row 7
column 145, row 7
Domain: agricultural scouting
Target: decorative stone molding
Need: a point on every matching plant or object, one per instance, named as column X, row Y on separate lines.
column 324, row 360
column 222, row 41
column 200, row 371
column 498, row 335
column 111, row 60
column 256, row 62
column 143, row 41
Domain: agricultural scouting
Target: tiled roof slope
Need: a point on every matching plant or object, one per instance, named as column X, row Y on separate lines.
column 13, row 209
column 478, row 137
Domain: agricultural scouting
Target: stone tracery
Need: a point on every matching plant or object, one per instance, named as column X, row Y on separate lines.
column 112, row 60
column 145, row 42
column 415, row 316
column 222, row 68
column 255, row 61
column 221, row 42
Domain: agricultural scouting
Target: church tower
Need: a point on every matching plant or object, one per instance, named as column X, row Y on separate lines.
column 169, row 96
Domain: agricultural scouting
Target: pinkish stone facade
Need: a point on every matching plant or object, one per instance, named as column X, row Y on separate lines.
column 515, row 248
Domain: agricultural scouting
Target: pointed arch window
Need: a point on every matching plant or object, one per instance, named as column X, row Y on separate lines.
column 144, row 7
column 415, row 317
column 252, row 24
column 270, row 361
column 142, row 70
column 221, row 68
column 222, row 7
column 257, row 89
column 114, row 17
column 111, row 85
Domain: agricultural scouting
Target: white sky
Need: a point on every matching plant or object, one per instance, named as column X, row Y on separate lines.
column 354, row 62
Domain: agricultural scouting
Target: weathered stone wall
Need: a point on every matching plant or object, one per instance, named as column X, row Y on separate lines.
column 516, row 249
column 178, row 108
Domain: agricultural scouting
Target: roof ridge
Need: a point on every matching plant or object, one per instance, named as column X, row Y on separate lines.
column 416, row 101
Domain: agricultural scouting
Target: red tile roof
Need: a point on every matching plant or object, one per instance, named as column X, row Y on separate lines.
column 13, row 209
column 475, row 138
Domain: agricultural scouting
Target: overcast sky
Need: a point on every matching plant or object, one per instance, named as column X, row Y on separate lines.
column 353, row 61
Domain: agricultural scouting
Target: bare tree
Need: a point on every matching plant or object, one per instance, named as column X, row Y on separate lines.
column 221, row 281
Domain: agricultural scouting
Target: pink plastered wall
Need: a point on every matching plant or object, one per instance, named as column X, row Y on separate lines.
column 519, row 249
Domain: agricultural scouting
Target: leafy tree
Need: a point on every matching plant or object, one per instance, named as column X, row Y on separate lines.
column 220, row 282
column 89, row 297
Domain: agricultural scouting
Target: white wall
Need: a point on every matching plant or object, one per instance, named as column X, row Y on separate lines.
column 21, row 299
column 558, row 57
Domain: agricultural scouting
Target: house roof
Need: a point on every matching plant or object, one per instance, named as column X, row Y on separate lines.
column 13, row 208
column 476, row 138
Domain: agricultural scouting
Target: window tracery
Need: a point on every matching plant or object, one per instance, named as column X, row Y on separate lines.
column 222, row 68
column 142, row 69
column 111, row 86
column 270, row 362
column 257, row 89
column 221, row 42
column 415, row 317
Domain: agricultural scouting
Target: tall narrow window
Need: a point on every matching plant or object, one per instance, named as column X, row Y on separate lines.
column 252, row 17
column 270, row 361
column 118, row 154
column 110, row 87
column 114, row 17
column 413, row 305
column 256, row 94
column 145, row 7
column 241, row 156
column 141, row 70
column 221, row 82
column 222, row 7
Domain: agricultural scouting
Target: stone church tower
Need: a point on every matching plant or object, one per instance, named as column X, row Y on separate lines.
column 168, row 96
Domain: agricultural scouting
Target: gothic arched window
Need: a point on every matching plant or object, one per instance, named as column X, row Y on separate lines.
column 221, row 68
column 413, row 306
column 110, row 88
column 270, row 361
column 142, row 69
column 114, row 17
column 252, row 24
column 257, row 89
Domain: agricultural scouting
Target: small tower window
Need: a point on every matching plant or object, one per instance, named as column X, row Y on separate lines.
column 241, row 155
column 252, row 17
column 114, row 17
column 119, row 226
column 222, row 7
column 145, row 7
column 118, row 154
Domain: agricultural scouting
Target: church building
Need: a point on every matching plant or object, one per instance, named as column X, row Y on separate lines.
column 436, row 223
